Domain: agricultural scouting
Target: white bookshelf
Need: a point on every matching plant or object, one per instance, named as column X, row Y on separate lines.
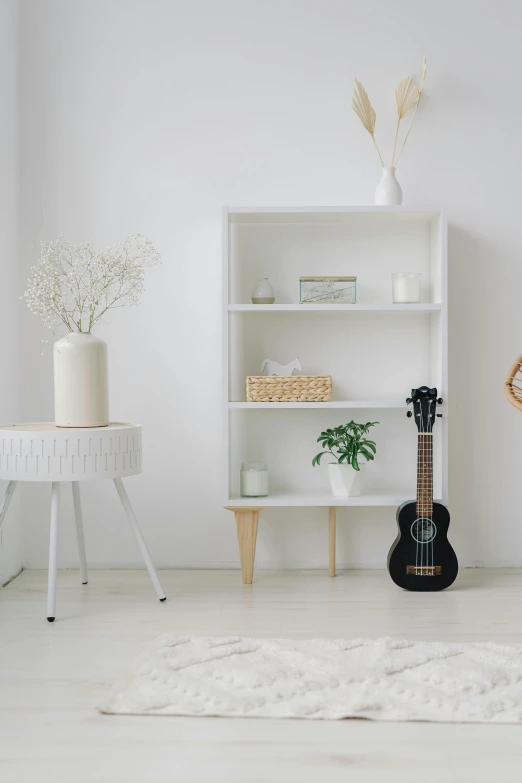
column 343, row 404
column 428, row 307
column 298, row 499
column 375, row 351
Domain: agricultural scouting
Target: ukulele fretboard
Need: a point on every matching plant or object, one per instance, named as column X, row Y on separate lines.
column 425, row 475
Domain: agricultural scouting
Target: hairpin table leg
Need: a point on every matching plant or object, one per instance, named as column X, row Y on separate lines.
column 131, row 516
column 8, row 496
column 53, row 543
column 79, row 531
column 332, row 531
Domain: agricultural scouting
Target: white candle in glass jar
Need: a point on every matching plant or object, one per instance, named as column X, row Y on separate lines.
column 254, row 480
column 406, row 288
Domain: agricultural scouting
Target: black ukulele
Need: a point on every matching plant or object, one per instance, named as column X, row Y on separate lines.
column 421, row 557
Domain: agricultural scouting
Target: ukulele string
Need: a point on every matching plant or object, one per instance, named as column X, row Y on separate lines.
column 424, row 510
column 417, row 507
column 426, row 519
column 430, row 484
column 434, row 531
column 432, row 507
column 424, row 531
column 417, row 515
column 421, row 480
column 425, row 524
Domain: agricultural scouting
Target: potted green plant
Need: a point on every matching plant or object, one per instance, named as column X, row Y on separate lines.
column 351, row 450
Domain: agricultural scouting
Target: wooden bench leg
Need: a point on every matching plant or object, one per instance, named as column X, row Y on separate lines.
column 246, row 523
column 332, row 531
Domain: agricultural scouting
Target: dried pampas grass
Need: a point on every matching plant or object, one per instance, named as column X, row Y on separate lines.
column 366, row 113
column 363, row 108
column 407, row 97
column 420, row 88
column 422, row 77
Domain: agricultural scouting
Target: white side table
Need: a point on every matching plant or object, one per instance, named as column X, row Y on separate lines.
column 44, row 452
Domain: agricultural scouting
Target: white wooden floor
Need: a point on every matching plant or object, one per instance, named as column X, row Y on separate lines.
column 52, row 675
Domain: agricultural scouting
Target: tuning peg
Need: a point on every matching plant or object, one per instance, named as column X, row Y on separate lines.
column 439, row 415
column 409, row 414
column 408, row 400
column 440, row 401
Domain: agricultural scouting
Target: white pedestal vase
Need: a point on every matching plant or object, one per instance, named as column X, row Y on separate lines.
column 389, row 192
column 345, row 481
column 81, row 389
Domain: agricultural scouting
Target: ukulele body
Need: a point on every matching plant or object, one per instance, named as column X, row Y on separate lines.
column 421, row 557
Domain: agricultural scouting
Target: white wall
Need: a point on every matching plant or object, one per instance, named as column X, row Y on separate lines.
column 148, row 115
column 10, row 555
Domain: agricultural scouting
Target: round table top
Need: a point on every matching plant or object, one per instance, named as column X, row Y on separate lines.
column 41, row 451
column 48, row 426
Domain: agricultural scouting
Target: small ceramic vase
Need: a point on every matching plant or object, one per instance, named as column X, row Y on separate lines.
column 263, row 293
column 389, row 192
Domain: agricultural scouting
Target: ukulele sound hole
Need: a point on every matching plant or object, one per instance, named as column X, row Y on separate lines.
column 423, row 530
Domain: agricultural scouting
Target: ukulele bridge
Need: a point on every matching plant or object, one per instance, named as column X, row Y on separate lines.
column 412, row 570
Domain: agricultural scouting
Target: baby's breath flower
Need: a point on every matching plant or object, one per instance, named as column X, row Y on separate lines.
column 76, row 286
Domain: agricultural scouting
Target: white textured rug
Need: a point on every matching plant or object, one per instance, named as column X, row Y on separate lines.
column 381, row 679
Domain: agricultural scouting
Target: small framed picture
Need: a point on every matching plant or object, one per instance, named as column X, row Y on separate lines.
column 328, row 290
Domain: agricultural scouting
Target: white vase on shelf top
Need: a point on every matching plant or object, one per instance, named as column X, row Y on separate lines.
column 81, row 389
column 346, row 482
column 389, row 192
column 263, row 293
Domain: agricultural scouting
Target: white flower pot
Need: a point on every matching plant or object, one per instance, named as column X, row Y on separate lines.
column 345, row 481
column 81, row 389
column 389, row 192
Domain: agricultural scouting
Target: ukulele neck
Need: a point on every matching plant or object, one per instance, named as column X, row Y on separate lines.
column 425, row 475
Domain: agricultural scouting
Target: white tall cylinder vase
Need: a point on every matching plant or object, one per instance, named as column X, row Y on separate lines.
column 389, row 192
column 81, row 388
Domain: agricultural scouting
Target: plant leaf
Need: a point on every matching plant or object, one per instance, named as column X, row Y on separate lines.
column 317, row 459
column 406, row 96
column 363, row 108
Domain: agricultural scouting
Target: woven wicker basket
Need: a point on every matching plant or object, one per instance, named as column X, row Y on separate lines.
column 289, row 388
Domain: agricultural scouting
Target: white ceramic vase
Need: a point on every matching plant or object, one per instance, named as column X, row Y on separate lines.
column 263, row 293
column 81, row 389
column 389, row 192
column 345, row 481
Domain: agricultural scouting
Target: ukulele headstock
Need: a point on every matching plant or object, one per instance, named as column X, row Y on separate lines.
column 424, row 407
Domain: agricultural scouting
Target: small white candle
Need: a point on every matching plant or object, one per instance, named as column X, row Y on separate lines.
column 406, row 288
column 254, row 480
